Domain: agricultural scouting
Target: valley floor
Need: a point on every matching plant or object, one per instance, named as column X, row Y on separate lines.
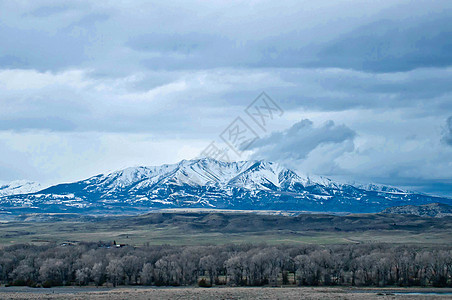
column 224, row 293
column 221, row 228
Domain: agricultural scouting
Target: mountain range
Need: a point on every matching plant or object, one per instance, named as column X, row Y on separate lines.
column 208, row 183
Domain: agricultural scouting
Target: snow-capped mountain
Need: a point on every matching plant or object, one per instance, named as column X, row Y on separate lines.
column 380, row 188
column 207, row 183
column 19, row 187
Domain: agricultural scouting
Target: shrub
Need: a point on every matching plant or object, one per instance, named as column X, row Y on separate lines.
column 203, row 283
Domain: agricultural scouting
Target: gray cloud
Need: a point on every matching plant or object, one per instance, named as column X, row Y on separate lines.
column 11, row 61
column 47, row 11
column 52, row 123
column 299, row 140
column 182, row 103
column 382, row 43
column 447, row 135
column 50, row 51
column 382, row 37
column 392, row 46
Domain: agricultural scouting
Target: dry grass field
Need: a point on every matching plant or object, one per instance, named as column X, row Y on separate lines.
column 188, row 293
column 221, row 228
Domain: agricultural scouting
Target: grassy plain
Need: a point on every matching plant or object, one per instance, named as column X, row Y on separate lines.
column 222, row 228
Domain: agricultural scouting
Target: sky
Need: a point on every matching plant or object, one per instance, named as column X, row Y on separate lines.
column 363, row 88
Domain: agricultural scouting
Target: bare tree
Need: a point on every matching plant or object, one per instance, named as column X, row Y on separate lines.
column 93, row 263
column 147, row 274
column 115, row 272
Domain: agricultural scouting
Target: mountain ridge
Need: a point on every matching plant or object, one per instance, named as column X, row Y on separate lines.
column 19, row 187
column 208, row 183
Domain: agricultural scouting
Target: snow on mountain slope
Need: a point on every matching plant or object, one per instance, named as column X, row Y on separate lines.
column 19, row 187
column 207, row 183
column 382, row 188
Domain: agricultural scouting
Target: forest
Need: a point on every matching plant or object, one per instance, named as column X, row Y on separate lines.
column 110, row 264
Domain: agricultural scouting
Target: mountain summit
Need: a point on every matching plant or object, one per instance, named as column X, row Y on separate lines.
column 208, row 183
column 19, row 187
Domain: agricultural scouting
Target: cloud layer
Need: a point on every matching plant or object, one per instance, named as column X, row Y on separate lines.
column 92, row 86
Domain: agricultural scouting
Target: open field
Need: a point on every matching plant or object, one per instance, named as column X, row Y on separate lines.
column 224, row 293
column 360, row 250
column 221, row 228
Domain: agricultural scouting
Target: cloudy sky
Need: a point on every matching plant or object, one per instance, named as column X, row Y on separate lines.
column 92, row 86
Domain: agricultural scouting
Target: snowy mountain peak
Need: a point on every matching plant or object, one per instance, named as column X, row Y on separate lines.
column 19, row 187
column 254, row 174
column 382, row 188
column 210, row 183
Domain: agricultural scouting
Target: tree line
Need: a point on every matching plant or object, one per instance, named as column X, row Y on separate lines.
column 235, row 265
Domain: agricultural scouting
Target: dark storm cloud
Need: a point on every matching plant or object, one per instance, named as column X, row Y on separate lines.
column 392, row 46
column 385, row 37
